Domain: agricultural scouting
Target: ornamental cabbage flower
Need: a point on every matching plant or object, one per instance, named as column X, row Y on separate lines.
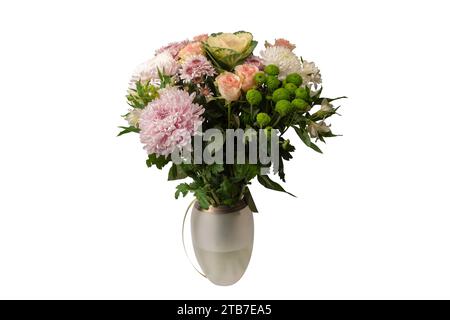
column 229, row 49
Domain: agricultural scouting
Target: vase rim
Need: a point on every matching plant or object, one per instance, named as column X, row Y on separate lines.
column 241, row 204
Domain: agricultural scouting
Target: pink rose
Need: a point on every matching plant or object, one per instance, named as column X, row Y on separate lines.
column 246, row 72
column 201, row 37
column 191, row 49
column 229, row 86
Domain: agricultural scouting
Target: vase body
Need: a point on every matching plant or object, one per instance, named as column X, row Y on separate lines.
column 222, row 238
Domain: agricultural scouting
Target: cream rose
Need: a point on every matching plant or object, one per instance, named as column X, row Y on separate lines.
column 229, row 86
column 246, row 72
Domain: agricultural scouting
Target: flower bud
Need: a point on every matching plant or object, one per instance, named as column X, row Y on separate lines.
column 272, row 70
column 253, row 97
column 294, row 78
column 263, row 119
column 280, row 94
column 283, row 107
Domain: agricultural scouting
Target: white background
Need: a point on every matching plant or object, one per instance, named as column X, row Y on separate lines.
column 82, row 217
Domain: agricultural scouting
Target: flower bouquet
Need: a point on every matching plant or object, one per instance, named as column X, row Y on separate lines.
column 217, row 114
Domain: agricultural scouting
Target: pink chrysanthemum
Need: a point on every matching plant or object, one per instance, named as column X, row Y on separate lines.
column 169, row 122
column 173, row 48
column 196, row 67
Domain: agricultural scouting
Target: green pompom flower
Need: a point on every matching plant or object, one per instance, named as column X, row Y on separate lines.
column 294, row 78
column 272, row 83
column 283, row 107
column 281, row 94
column 272, row 70
column 263, row 119
column 254, row 97
column 291, row 88
column 259, row 78
column 302, row 93
column 300, row 105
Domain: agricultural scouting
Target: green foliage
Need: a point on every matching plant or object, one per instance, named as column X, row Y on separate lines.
column 158, row 161
column 303, row 134
column 176, row 172
column 249, row 200
column 165, row 79
column 128, row 130
column 140, row 96
column 265, row 181
column 198, row 191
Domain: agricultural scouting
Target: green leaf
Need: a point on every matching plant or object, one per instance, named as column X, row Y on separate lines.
column 215, row 168
column 265, row 181
column 176, row 173
column 281, row 173
column 202, row 198
column 158, row 161
column 212, row 170
column 182, row 188
column 249, row 200
column 142, row 95
column 246, row 172
column 320, row 100
column 303, row 134
column 128, row 130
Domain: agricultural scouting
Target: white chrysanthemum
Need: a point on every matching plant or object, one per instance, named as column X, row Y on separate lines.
column 310, row 74
column 283, row 58
column 148, row 71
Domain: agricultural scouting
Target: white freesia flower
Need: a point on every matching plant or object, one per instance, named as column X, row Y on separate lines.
column 283, row 58
column 315, row 129
column 133, row 117
column 326, row 106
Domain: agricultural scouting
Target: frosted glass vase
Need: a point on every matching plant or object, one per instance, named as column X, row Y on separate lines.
column 222, row 238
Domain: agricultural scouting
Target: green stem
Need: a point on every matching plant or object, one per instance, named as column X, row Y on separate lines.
column 229, row 115
column 276, row 121
column 216, row 199
column 213, row 194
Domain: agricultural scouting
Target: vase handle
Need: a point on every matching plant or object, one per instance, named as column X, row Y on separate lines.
column 184, row 243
